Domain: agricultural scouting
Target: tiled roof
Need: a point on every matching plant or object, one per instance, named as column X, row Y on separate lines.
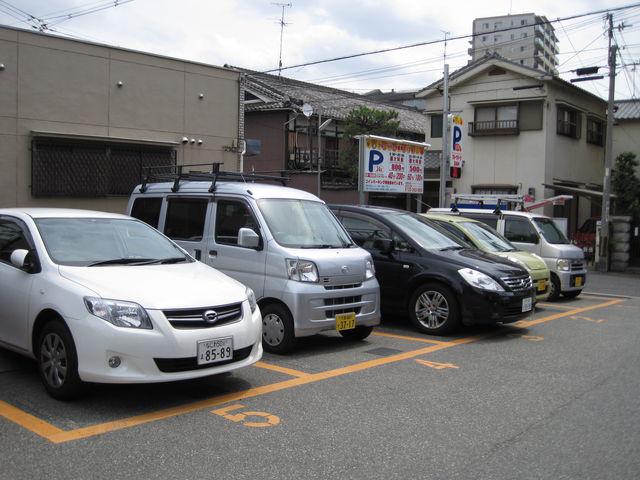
column 282, row 92
column 627, row 110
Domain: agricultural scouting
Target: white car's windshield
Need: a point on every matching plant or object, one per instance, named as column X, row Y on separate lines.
column 550, row 231
column 491, row 240
column 303, row 224
column 106, row 241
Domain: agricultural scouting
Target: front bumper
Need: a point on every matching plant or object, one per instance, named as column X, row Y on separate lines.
column 315, row 306
column 541, row 284
column 572, row 280
column 481, row 307
column 97, row 340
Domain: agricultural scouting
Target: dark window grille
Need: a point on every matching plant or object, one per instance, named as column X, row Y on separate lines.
column 64, row 168
column 595, row 132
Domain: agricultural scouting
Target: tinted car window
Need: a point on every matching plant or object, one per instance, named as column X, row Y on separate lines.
column 365, row 231
column 11, row 238
column 185, row 219
column 147, row 210
column 491, row 220
column 519, row 230
column 231, row 216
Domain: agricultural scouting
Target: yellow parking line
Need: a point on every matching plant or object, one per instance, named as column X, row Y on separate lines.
column 28, row 421
column 57, row 435
column 378, row 333
column 555, row 305
column 278, row 368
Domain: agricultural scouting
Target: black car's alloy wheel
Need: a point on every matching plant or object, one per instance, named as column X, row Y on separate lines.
column 433, row 309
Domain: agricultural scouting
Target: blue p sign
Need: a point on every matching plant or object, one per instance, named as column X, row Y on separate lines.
column 375, row 158
column 457, row 136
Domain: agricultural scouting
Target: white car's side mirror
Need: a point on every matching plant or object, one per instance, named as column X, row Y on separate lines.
column 18, row 257
column 248, row 238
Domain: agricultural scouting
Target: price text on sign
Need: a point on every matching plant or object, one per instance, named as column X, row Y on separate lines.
column 393, row 166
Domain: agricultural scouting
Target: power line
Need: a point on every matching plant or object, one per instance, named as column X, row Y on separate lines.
column 459, row 37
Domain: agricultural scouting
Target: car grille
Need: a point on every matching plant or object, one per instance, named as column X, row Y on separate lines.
column 519, row 283
column 575, row 266
column 341, row 287
column 173, row 365
column 193, row 318
column 513, row 310
column 342, row 300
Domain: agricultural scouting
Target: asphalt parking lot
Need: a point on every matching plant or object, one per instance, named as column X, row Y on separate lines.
column 554, row 396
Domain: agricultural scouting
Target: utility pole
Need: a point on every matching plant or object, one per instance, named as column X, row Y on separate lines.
column 319, row 149
column 603, row 264
column 282, row 24
column 445, row 137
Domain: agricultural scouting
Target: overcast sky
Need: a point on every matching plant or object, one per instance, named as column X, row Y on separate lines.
column 247, row 33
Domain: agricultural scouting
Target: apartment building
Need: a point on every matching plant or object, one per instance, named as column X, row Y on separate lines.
column 525, row 133
column 526, row 39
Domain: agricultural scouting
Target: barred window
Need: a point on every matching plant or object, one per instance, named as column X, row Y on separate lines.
column 73, row 168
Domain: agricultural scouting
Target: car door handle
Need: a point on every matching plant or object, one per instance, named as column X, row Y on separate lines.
column 197, row 253
column 213, row 253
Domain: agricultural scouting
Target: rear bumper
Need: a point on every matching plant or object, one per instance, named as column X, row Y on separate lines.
column 480, row 307
column 314, row 307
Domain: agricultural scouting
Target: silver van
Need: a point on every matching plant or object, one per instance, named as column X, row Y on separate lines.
column 306, row 272
column 537, row 234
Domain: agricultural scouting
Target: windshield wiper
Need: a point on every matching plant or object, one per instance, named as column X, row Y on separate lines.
column 452, row 247
column 165, row 261
column 123, row 261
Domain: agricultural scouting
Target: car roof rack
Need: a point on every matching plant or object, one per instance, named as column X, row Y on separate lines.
column 177, row 173
column 481, row 198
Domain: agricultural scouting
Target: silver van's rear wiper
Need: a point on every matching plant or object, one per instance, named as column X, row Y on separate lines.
column 123, row 261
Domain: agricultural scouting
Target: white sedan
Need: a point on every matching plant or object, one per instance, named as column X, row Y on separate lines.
column 99, row 297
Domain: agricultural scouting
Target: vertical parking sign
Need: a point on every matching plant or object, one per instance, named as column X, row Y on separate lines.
column 455, row 146
column 392, row 165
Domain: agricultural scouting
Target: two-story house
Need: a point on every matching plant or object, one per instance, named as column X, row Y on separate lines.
column 526, row 132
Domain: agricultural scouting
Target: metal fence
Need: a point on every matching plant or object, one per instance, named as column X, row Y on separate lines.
column 62, row 168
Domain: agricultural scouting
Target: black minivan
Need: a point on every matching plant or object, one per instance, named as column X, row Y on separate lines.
column 439, row 281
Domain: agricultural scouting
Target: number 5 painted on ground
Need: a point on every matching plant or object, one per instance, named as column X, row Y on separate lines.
column 225, row 412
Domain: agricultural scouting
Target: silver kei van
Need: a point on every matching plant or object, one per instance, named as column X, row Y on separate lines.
column 538, row 234
column 285, row 244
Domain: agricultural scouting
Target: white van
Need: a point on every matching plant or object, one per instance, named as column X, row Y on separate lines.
column 537, row 234
column 307, row 273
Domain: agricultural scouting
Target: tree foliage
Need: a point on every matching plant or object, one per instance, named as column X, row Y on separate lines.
column 626, row 185
column 365, row 121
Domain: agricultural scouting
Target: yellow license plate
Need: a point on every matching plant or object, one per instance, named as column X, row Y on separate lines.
column 542, row 284
column 578, row 281
column 346, row 321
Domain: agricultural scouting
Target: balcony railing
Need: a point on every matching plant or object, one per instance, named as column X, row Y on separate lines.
column 302, row 159
column 494, row 127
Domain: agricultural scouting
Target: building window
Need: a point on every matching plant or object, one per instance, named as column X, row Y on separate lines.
column 521, row 62
column 595, row 131
column 485, row 25
column 513, row 36
column 524, row 35
column 495, row 120
column 523, row 22
column 522, row 47
column 569, row 122
column 74, row 168
column 484, row 38
column 436, row 126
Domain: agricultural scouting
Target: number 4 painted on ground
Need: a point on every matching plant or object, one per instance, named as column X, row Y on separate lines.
column 225, row 412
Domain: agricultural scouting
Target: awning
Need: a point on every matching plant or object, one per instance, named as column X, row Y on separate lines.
column 583, row 192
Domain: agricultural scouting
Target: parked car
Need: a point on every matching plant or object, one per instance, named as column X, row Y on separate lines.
column 432, row 276
column 99, row 297
column 485, row 238
column 305, row 270
column 537, row 234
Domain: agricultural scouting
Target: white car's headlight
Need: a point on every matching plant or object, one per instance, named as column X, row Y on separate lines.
column 480, row 280
column 118, row 312
column 563, row 264
column 252, row 299
column 369, row 269
column 302, row 270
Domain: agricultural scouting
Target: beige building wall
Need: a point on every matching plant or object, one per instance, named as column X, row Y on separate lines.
column 626, row 138
column 67, row 87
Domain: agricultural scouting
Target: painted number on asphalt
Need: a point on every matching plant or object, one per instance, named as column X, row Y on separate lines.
column 587, row 319
column 435, row 365
column 531, row 338
column 267, row 419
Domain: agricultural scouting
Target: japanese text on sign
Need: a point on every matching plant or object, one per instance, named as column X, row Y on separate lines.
column 393, row 166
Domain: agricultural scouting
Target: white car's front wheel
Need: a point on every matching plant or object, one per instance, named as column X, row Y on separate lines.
column 58, row 361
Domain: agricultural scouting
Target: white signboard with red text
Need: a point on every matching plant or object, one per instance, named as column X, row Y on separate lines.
column 391, row 165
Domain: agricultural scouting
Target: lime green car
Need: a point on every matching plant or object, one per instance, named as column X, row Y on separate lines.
column 487, row 239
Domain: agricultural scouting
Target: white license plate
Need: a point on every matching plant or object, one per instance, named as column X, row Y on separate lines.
column 526, row 304
column 215, row 350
